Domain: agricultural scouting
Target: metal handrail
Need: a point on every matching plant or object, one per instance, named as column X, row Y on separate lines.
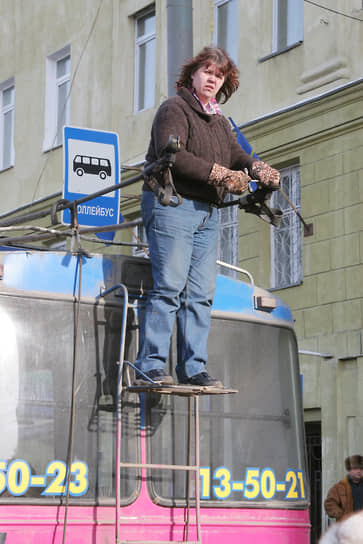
column 237, row 269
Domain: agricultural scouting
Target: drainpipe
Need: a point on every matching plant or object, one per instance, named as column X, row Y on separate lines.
column 179, row 16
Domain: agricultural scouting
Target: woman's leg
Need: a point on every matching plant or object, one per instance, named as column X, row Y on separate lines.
column 170, row 247
column 193, row 318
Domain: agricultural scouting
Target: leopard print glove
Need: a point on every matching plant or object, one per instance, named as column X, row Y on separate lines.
column 267, row 175
column 234, row 181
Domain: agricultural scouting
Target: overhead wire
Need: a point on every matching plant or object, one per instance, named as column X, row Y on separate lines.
column 140, row 244
column 333, row 10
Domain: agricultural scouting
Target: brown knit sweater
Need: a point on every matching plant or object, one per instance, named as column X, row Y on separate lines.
column 205, row 139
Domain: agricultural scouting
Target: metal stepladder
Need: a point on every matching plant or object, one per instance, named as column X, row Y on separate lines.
column 192, row 393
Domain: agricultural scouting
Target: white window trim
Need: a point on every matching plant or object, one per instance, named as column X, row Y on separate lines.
column 4, row 87
column 218, row 4
column 228, row 219
column 295, row 230
column 138, row 42
column 138, row 251
column 275, row 26
column 51, row 109
column 275, row 36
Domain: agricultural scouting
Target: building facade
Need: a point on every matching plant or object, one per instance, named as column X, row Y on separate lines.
column 108, row 64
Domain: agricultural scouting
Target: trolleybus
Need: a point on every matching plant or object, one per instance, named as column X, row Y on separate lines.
column 61, row 323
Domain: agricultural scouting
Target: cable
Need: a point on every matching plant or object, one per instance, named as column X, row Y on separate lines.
column 111, row 242
column 127, row 168
column 34, row 228
column 333, row 10
column 77, row 300
column 69, row 93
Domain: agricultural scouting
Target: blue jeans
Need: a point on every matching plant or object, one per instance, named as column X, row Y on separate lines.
column 183, row 253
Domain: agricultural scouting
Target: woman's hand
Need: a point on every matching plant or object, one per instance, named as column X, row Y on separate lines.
column 267, row 175
column 234, row 181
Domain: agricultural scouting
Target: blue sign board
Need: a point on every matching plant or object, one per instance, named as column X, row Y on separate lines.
column 91, row 164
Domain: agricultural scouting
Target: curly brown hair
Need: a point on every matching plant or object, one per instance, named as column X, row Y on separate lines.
column 212, row 55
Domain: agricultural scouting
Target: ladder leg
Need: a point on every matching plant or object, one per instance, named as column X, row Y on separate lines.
column 190, row 421
column 118, row 410
column 197, row 464
column 118, row 453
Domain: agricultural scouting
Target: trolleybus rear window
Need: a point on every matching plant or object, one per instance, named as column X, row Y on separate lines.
column 252, row 446
column 35, row 402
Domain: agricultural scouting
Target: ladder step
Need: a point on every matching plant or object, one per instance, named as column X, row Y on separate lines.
column 156, row 466
column 160, row 542
column 182, row 390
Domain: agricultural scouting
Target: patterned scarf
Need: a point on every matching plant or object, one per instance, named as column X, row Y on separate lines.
column 211, row 107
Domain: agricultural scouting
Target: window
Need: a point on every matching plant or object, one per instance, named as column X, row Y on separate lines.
column 228, row 238
column 7, row 92
column 139, row 236
column 35, row 395
column 258, row 427
column 286, row 243
column 226, row 26
column 288, row 23
column 58, row 72
column 145, row 61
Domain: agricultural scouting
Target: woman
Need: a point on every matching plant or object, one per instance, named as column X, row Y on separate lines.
column 183, row 239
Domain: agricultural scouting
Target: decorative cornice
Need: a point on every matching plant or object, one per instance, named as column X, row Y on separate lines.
column 334, row 70
column 306, row 123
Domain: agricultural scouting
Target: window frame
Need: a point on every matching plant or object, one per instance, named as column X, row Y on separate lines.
column 139, row 234
column 52, row 130
column 216, row 38
column 291, row 223
column 140, row 41
column 5, row 109
column 296, row 34
column 228, row 221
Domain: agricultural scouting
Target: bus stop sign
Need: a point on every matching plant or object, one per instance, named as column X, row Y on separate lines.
column 91, row 164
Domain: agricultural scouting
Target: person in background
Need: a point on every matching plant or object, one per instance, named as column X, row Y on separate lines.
column 183, row 239
column 346, row 496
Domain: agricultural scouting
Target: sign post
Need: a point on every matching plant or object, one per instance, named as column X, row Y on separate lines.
column 91, row 164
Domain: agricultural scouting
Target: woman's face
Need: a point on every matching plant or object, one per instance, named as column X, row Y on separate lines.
column 207, row 81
